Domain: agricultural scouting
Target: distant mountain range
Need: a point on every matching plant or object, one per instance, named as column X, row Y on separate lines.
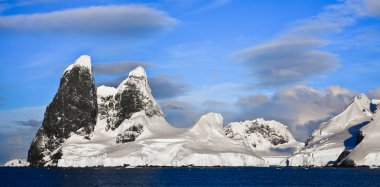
column 85, row 126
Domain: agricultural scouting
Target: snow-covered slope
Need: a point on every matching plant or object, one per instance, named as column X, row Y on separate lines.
column 367, row 152
column 334, row 137
column 159, row 144
column 17, row 163
column 270, row 139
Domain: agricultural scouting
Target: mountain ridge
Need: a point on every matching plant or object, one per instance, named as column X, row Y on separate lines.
column 125, row 126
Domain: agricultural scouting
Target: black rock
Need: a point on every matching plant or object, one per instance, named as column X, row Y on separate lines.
column 342, row 157
column 73, row 110
column 130, row 134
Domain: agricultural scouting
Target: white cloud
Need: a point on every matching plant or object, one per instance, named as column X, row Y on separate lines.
column 212, row 5
column 17, row 129
column 166, row 86
column 374, row 93
column 117, row 68
column 213, row 103
column 288, row 60
column 297, row 54
column 179, row 113
column 302, row 108
column 372, row 7
column 126, row 20
column 8, row 117
column 162, row 86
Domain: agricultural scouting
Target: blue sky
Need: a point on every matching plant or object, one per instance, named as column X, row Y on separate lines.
column 295, row 61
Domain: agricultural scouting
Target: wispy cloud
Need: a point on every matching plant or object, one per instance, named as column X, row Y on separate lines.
column 2, row 100
column 298, row 54
column 374, row 93
column 372, row 7
column 212, row 5
column 179, row 113
column 288, row 60
column 214, row 103
column 125, row 20
column 117, row 67
column 29, row 123
column 9, row 117
column 163, row 86
column 15, row 143
column 17, row 129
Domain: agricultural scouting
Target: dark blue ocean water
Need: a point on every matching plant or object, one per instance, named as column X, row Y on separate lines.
column 234, row 176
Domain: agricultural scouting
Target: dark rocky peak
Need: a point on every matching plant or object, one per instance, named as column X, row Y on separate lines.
column 133, row 95
column 72, row 111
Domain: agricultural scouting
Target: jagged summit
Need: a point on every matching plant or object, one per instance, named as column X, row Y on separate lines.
column 138, row 72
column 132, row 95
column 138, row 77
column 362, row 100
column 82, row 61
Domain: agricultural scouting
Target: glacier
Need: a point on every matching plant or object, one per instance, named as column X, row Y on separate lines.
column 160, row 144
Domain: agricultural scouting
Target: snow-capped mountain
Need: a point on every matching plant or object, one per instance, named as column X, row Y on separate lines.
column 334, row 139
column 72, row 111
column 130, row 129
column 270, row 139
column 124, row 126
column 367, row 152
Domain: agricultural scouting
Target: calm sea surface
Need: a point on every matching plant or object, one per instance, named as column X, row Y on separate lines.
column 230, row 176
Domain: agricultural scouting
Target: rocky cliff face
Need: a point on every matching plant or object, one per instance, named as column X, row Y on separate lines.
column 106, row 104
column 133, row 95
column 73, row 110
column 266, row 138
